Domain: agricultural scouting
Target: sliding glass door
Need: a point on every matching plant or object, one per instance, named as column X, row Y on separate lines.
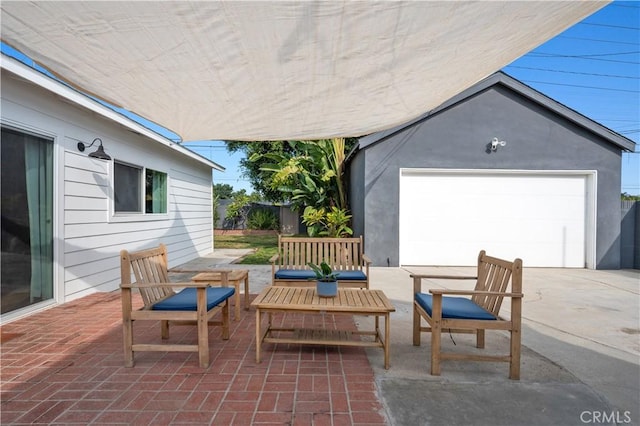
column 26, row 191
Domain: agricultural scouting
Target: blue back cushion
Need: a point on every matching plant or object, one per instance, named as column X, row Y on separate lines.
column 185, row 299
column 454, row 307
column 304, row 274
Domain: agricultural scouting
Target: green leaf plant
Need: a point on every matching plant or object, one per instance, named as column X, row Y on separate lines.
column 324, row 273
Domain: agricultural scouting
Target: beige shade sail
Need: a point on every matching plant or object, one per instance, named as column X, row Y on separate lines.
column 280, row 70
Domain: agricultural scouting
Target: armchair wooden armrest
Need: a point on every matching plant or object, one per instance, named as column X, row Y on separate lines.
column 417, row 279
column 439, row 291
column 444, row 277
column 171, row 284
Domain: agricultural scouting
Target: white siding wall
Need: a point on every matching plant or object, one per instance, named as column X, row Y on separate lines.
column 88, row 237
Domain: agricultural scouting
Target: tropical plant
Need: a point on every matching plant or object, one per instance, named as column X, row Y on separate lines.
column 310, row 176
column 262, row 157
column 336, row 160
column 313, row 219
column 337, row 221
column 261, row 218
column 323, row 273
column 254, row 159
column 334, row 223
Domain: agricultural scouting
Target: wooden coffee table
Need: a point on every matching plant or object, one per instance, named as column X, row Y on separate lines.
column 306, row 300
column 234, row 276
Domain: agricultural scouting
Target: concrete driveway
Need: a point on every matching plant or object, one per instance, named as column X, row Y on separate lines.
column 580, row 360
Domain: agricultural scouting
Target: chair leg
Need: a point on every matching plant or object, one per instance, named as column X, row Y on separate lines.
column 127, row 327
column 436, row 331
column 203, row 328
column 480, row 339
column 416, row 326
column 225, row 320
column 516, row 337
column 514, row 362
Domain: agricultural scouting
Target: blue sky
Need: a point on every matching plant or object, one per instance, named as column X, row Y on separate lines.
column 593, row 68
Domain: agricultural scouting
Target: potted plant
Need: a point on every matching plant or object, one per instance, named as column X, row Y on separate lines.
column 326, row 280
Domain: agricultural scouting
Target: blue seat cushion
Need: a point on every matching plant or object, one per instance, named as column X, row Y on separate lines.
column 305, row 274
column 185, row 299
column 454, row 307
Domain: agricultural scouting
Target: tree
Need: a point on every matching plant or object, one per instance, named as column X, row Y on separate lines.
column 239, row 207
column 222, row 190
column 261, row 153
column 252, row 169
column 307, row 174
column 313, row 182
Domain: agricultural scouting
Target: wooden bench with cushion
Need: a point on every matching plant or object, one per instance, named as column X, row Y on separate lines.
column 445, row 310
column 194, row 303
column 290, row 266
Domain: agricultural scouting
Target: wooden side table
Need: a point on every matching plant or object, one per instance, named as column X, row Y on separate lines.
column 224, row 277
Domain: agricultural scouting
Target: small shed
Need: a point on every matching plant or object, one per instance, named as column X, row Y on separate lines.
column 499, row 167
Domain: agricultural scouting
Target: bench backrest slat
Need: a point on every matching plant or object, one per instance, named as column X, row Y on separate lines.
column 341, row 253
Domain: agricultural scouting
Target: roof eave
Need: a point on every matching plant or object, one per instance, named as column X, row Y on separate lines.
column 35, row 77
column 526, row 91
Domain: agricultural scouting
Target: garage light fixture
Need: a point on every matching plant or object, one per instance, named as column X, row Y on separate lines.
column 495, row 143
column 99, row 153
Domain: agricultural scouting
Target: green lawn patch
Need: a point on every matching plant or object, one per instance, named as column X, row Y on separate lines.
column 266, row 246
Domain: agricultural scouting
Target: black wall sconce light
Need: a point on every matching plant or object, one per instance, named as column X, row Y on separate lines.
column 99, row 153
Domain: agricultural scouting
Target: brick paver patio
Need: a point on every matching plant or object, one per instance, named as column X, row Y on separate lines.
column 65, row 366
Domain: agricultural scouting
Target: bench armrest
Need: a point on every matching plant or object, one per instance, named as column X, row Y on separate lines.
column 274, row 260
column 366, row 259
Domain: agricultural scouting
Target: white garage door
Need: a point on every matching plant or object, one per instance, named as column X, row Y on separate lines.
column 447, row 217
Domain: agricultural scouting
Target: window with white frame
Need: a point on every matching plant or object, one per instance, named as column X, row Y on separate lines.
column 139, row 190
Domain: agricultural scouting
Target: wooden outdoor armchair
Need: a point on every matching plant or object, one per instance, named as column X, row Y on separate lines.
column 195, row 303
column 443, row 311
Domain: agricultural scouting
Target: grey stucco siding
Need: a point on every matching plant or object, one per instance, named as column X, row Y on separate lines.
column 457, row 137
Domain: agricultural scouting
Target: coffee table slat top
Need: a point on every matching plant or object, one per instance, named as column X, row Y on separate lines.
column 306, row 299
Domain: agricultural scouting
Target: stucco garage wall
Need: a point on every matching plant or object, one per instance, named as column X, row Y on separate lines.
column 457, row 138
